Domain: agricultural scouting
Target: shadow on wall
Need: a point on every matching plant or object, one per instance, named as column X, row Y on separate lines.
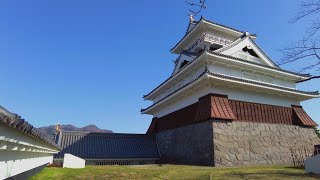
column 300, row 155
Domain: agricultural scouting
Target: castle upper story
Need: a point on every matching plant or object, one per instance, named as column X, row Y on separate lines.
column 220, row 59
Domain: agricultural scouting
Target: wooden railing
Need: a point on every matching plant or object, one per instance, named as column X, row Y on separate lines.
column 211, row 38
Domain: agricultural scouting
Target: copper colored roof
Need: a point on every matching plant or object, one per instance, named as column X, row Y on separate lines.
column 216, row 106
column 303, row 117
column 262, row 113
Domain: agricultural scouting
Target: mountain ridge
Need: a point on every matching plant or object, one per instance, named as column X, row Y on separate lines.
column 49, row 130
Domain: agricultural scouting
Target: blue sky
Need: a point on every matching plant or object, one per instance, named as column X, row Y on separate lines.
column 89, row 62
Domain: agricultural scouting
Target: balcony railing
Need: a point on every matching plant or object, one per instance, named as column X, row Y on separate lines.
column 210, row 38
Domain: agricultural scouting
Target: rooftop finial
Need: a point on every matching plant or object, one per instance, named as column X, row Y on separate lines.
column 191, row 18
column 58, row 127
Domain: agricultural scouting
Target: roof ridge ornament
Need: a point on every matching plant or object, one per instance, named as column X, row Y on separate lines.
column 191, row 18
column 58, row 127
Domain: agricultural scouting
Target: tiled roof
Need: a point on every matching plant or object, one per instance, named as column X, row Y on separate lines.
column 16, row 122
column 262, row 65
column 237, row 41
column 206, row 71
column 234, row 43
column 231, row 57
column 108, row 145
column 303, row 116
column 264, row 113
column 202, row 18
column 173, row 75
column 228, row 27
column 263, row 84
column 216, row 106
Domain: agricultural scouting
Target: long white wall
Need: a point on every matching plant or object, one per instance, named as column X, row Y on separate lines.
column 13, row 163
column 20, row 152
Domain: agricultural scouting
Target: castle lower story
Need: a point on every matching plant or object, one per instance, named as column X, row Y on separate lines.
column 222, row 132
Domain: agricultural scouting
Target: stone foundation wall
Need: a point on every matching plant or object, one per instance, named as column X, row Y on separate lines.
column 246, row 143
column 226, row 143
column 190, row 144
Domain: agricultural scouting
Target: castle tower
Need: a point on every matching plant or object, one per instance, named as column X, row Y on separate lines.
column 227, row 103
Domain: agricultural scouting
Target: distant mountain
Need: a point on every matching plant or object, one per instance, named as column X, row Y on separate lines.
column 49, row 130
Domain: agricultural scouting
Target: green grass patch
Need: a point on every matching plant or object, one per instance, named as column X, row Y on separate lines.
column 174, row 172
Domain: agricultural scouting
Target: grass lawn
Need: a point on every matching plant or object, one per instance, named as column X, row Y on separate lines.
column 174, row 172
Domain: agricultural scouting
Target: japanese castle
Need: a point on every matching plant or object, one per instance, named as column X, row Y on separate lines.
column 227, row 103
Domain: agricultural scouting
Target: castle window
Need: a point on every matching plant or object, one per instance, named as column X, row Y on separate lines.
column 250, row 51
column 185, row 62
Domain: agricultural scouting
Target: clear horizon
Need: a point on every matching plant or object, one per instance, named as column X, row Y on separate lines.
column 90, row 62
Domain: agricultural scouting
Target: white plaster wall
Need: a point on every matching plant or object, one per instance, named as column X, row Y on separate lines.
column 71, row 161
column 20, row 152
column 208, row 41
column 233, row 51
column 237, row 72
column 16, row 162
column 235, row 94
column 185, row 57
column 225, row 70
column 180, row 83
column 182, row 58
column 208, row 28
column 13, row 136
column 312, row 165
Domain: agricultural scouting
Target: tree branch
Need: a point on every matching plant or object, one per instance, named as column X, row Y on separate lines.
column 306, row 51
column 201, row 5
column 307, row 8
column 313, row 77
column 309, row 67
column 303, row 50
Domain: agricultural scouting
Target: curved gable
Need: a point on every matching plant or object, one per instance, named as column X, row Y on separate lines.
column 247, row 49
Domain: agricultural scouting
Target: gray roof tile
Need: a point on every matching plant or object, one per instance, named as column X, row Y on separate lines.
column 108, row 145
column 15, row 121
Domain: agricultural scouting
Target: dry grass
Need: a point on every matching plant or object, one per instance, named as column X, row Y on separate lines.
column 174, row 172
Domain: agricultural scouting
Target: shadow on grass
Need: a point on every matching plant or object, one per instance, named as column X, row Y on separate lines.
column 298, row 167
column 271, row 174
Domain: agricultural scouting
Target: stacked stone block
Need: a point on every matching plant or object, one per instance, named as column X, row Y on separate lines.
column 232, row 143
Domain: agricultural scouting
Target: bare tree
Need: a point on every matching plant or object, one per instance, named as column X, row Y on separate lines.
column 306, row 52
column 199, row 7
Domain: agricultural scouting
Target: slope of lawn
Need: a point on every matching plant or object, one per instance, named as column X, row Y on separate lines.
column 174, row 172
